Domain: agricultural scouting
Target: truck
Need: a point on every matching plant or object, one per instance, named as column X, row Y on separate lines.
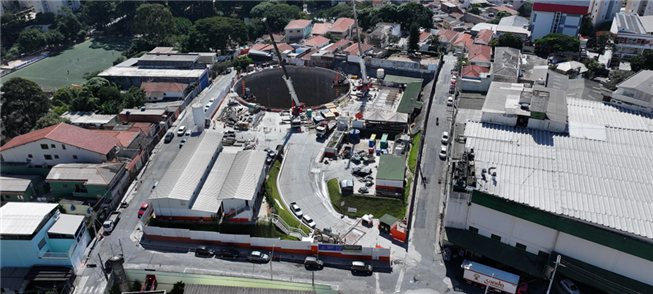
column 324, row 128
column 484, row 275
column 111, row 222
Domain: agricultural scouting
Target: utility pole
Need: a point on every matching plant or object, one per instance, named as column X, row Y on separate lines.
column 488, row 286
column 553, row 275
column 271, row 257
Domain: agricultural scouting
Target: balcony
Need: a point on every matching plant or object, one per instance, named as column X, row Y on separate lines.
column 58, row 255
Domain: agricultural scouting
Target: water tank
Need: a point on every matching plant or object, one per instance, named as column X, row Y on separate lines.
column 198, row 114
column 343, row 123
column 357, row 124
column 354, row 136
column 380, row 73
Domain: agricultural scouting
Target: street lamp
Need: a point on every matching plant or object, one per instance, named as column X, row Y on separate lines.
column 554, row 274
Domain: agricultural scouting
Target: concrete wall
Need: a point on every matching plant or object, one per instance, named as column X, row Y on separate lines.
column 499, row 118
column 21, row 154
column 473, row 85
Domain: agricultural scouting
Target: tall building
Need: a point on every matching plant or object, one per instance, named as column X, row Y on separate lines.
column 603, row 10
column 639, row 7
column 557, row 17
column 634, row 35
column 44, row 6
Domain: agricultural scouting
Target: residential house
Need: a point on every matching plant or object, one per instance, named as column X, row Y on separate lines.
column 484, row 37
column 447, row 38
column 604, row 10
column 505, row 67
column 496, row 9
column 18, row 188
column 480, row 55
column 635, row 92
column 462, row 43
column 316, row 42
column 477, row 28
column 37, row 234
column 634, row 35
column 106, row 181
column 298, row 29
column 48, row 6
column 277, row 37
column 639, row 7
column 382, row 32
column 91, row 120
column 523, row 32
column 475, row 78
column 145, row 114
column 571, row 68
column 514, row 21
column 61, row 143
column 320, row 29
column 284, row 48
column 562, row 17
column 449, row 7
column 342, row 28
column 424, row 41
column 158, row 91
column 353, row 52
column 450, row 23
column 338, row 46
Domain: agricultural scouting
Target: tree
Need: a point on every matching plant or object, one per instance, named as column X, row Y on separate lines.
column 83, row 100
column 97, row 12
column 11, row 26
column 475, row 10
column 616, row 77
column 30, row 40
column 413, row 38
column 368, row 18
column 242, row 62
column 508, row 40
column 642, row 61
column 134, row 97
column 278, row 14
column 24, row 103
column 44, row 18
column 54, row 38
column 62, row 97
column 178, row 288
column 435, row 41
column 592, row 65
column 109, row 94
column 586, row 26
column 89, row 75
column 94, row 85
column 136, row 287
column 332, row 38
column 408, row 13
column 525, row 9
column 182, row 25
column 67, row 24
column 604, row 40
column 154, row 22
column 501, row 14
column 339, row 11
column 557, row 43
column 49, row 119
column 215, row 33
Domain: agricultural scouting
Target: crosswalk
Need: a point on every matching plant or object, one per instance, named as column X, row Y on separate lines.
column 83, row 288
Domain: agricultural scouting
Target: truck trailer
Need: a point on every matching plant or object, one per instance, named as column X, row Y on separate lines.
column 491, row 277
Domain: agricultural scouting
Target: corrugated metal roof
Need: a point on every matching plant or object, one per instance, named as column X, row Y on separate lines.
column 15, row 183
column 242, row 180
column 207, row 200
column 66, row 224
column 410, row 98
column 22, row 218
column 642, row 81
column 210, row 289
column 185, row 172
column 605, row 182
column 92, row 174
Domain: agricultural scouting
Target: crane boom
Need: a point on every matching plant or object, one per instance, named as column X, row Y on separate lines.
column 361, row 61
column 286, row 77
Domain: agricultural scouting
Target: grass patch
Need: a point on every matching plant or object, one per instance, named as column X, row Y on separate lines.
column 263, row 230
column 412, row 158
column 272, row 194
column 377, row 206
column 407, row 189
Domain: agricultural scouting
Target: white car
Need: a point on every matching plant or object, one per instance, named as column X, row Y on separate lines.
column 181, row 131
column 450, row 101
column 309, row 221
column 443, row 152
column 295, row 209
column 569, row 286
column 445, row 138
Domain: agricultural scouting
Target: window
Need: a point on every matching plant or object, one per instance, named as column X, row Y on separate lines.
column 473, row 229
column 52, row 146
column 496, row 237
column 521, row 246
column 47, row 157
column 56, row 157
column 44, row 146
column 42, row 243
column 30, row 156
column 74, row 156
column 63, row 146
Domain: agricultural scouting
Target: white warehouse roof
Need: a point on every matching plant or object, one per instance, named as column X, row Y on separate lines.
column 604, row 180
column 23, row 218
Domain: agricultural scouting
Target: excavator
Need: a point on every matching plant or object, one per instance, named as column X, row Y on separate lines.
column 297, row 107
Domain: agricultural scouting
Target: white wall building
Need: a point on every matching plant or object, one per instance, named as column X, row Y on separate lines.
column 62, row 143
column 603, row 10
column 556, row 17
column 635, row 92
column 44, row 6
column 639, row 7
column 298, row 29
column 634, row 35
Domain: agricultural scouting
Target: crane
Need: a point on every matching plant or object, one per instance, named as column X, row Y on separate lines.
column 366, row 84
column 297, row 107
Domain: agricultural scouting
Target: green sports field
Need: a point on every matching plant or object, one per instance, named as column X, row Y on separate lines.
column 64, row 68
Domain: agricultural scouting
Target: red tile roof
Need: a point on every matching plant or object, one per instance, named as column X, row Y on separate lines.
column 484, row 36
column 125, row 137
column 163, row 50
column 456, row 15
column 353, row 49
column 163, row 87
column 321, row 28
column 316, row 41
column 463, row 40
column 144, row 127
column 447, row 36
column 423, row 36
column 69, row 135
column 571, row 9
column 298, row 24
column 308, row 55
column 474, row 71
column 269, row 47
column 342, row 24
column 277, row 37
column 512, row 11
column 481, row 53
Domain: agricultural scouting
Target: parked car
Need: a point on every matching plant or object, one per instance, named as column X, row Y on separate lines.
column 450, row 101
column 296, row 210
column 181, row 131
column 309, row 221
column 142, row 210
column 569, row 287
column 204, row 251
column 258, row 256
column 443, row 152
column 229, row 252
column 211, row 100
column 445, row 138
column 270, row 152
column 359, row 266
column 189, row 132
column 312, row 261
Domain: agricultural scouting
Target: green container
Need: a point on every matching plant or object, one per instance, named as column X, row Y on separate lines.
column 309, row 112
column 384, row 141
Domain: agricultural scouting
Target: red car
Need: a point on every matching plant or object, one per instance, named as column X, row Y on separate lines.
column 142, row 210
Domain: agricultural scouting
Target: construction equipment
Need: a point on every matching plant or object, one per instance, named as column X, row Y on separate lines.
column 297, row 107
column 365, row 84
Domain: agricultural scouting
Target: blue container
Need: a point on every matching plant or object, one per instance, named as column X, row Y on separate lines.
column 354, row 136
column 371, row 143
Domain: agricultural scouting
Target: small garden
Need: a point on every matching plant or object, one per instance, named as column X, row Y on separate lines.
column 377, row 206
